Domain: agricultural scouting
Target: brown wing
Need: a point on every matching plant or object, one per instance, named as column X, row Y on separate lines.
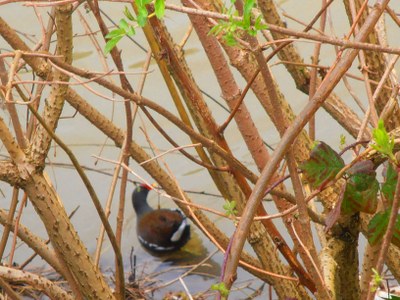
column 158, row 226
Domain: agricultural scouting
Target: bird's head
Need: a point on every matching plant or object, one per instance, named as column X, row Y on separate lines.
column 139, row 198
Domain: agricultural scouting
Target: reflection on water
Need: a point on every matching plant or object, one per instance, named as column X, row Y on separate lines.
column 192, row 262
column 193, row 269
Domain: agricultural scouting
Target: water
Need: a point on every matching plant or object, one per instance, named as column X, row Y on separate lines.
column 87, row 141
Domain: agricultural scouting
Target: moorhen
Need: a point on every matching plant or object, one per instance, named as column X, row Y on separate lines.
column 158, row 230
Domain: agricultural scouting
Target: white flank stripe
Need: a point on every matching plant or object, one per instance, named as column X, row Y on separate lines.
column 178, row 234
column 154, row 247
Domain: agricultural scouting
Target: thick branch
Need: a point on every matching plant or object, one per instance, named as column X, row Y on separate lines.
column 54, row 104
column 36, row 282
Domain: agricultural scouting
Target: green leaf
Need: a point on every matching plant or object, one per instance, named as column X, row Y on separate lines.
column 323, row 165
column 131, row 31
column 377, row 227
column 159, row 6
column 252, row 32
column 396, row 233
column 389, row 186
column 215, row 30
column 248, row 6
column 111, row 44
column 230, row 39
column 221, row 288
column 383, row 143
column 125, row 28
column 380, row 134
column 123, row 24
column 142, row 3
column 258, row 24
column 361, row 194
column 115, row 33
column 142, row 16
column 232, row 28
column 128, row 14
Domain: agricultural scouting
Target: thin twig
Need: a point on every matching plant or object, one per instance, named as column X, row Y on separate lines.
column 6, row 80
column 14, row 241
column 169, row 151
column 185, row 288
column 173, row 143
column 7, row 227
column 372, row 114
column 311, row 258
column 313, row 74
column 186, row 36
column 107, row 210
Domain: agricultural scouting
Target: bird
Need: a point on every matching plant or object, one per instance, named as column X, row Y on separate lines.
column 158, row 230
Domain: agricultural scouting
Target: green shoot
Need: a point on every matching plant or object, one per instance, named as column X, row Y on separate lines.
column 342, row 141
column 221, row 288
column 229, row 29
column 124, row 28
column 230, row 208
column 116, row 35
column 383, row 143
column 377, row 279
